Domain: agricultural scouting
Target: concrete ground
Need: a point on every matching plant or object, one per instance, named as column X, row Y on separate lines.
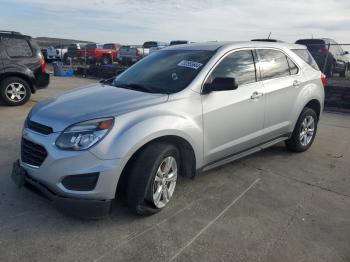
column 271, row 206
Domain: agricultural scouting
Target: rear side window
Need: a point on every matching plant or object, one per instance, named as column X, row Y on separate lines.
column 17, row 47
column 274, row 64
column 239, row 65
column 307, row 57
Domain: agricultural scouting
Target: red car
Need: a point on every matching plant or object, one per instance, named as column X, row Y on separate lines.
column 104, row 54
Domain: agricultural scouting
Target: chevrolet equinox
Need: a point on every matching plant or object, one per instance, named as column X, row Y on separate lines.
column 180, row 111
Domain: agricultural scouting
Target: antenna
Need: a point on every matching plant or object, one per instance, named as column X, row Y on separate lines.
column 269, row 36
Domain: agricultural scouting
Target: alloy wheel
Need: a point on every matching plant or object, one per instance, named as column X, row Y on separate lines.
column 164, row 182
column 307, row 130
column 15, row 92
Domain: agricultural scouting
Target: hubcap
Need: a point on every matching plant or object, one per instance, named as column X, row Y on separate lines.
column 164, row 182
column 15, row 92
column 307, row 130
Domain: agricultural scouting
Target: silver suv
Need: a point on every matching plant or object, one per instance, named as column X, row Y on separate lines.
column 181, row 111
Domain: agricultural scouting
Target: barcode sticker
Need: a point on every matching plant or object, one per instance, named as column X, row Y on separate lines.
column 190, row 64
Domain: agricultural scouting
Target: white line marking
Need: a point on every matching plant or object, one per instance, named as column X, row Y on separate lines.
column 141, row 233
column 214, row 220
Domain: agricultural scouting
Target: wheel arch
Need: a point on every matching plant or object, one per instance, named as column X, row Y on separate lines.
column 19, row 75
column 187, row 155
column 315, row 105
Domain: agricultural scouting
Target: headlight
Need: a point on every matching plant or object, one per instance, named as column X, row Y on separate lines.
column 84, row 135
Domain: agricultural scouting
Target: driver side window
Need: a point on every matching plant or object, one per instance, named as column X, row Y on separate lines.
column 239, row 65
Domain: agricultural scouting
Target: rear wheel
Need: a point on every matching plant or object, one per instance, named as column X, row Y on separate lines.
column 304, row 131
column 14, row 91
column 152, row 178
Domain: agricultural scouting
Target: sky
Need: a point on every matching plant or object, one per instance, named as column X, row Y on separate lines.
column 136, row 21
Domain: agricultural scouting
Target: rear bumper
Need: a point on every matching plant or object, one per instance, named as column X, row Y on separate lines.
column 83, row 208
column 42, row 80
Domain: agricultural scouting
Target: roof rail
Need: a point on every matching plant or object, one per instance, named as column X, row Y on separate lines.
column 9, row 32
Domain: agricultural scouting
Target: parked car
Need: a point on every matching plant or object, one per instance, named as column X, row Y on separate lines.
column 179, row 42
column 160, row 46
column 181, row 111
column 56, row 53
column 104, row 54
column 73, row 52
column 328, row 54
column 151, row 46
column 22, row 68
column 130, row 54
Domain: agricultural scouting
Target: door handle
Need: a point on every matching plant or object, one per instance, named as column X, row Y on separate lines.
column 256, row 95
column 296, row 83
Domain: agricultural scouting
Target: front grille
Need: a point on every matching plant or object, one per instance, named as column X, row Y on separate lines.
column 42, row 129
column 32, row 154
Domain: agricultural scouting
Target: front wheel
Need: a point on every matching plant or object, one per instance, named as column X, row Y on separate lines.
column 304, row 131
column 152, row 178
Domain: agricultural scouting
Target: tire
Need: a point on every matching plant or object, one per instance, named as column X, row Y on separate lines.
column 146, row 182
column 297, row 142
column 106, row 60
column 14, row 91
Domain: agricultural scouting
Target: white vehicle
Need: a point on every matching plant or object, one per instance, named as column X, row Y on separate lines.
column 55, row 53
column 183, row 110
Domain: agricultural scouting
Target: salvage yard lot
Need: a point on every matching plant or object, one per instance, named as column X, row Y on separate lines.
column 271, row 206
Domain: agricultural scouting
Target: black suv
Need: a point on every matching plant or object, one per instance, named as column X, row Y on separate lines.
column 22, row 68
column 328, row 54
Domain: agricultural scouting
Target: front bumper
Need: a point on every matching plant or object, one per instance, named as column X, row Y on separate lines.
column 61, row 163
column 83, row 208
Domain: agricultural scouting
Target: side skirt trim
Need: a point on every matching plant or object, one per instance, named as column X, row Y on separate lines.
column 244, row 153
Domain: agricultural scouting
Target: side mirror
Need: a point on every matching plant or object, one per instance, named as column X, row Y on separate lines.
column 345, row 52
column 220, row 84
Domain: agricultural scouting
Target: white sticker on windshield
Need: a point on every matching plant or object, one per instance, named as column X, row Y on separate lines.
column 190, row 64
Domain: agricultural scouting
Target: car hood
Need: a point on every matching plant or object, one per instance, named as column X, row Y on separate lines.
column 89, row 102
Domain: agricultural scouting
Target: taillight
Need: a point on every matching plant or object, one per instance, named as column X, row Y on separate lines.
column 42, row 65
column 324, row 80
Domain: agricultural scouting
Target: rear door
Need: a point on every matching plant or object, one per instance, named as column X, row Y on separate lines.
column 233, row 119
column 282, row 82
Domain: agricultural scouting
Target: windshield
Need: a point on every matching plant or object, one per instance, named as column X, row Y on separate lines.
column 166, row 71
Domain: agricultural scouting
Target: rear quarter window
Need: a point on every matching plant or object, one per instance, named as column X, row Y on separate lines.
column 17, row 47
column 307, row 57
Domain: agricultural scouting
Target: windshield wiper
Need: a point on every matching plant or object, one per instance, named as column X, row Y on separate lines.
column 137, row 87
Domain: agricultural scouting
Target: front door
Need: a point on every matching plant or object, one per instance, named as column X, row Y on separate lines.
column 233, row 119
